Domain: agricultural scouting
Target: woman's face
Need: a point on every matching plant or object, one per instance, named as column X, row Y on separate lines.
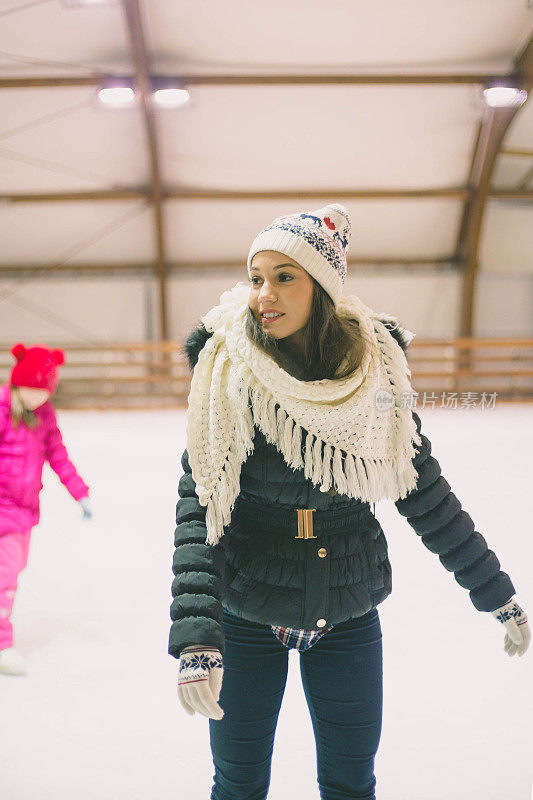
column 33, row 398
column 281, row 285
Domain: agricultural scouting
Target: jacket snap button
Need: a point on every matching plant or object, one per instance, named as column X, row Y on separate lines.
column 332, row 492
column 321, row 623
column 322, row 552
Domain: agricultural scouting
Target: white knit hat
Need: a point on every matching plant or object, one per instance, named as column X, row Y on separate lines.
column 317, row 240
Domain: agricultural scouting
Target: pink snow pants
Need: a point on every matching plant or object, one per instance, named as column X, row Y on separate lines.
column 14, row 549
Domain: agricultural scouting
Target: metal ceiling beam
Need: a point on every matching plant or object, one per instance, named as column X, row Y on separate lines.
column 221, row 194
column 106, row 195
column 510, row 194
column 74, row 197
column 142, row 83
column 463, row 79
column 492, row 132
column 339, row 79
column 231, row 194
column 59, row 82
column 328, row 194
column 516, row 151
column 490, row 135
column 33, row 270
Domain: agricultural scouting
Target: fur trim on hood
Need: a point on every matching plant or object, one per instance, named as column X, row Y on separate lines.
column 399, row 334
column 194, row 344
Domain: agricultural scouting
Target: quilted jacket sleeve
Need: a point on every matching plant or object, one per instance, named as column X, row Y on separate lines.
column 196, row 609
column 436, row 515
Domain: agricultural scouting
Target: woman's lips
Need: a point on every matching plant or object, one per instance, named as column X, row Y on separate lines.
column 269, row 320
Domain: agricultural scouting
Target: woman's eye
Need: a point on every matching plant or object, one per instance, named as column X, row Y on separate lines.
column 255, row 281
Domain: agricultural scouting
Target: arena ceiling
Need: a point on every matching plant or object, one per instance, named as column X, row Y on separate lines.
column 292, row 104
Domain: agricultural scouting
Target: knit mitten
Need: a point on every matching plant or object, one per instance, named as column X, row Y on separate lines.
column 518, row 635
column 85, row 503
column 200, row 680
column 12, row 663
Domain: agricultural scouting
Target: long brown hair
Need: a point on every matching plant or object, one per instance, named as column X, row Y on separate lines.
column 328, row 341
column 19, row 412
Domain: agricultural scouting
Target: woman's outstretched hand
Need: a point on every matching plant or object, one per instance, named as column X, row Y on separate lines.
column 85, row 503
column 518, row 634
column 200, row 680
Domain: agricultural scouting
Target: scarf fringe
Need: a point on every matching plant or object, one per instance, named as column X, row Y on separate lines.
column 371, row 489
column 231, row 395
column 325, row 465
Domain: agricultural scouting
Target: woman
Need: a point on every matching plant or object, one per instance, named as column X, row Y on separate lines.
column 299, row 419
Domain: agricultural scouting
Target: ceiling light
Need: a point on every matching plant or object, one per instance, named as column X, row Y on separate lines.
column 87, row 3
column 504, row 94
column 170, row 97
column 116, row 96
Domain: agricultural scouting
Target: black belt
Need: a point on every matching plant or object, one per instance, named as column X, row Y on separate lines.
column 303, row 523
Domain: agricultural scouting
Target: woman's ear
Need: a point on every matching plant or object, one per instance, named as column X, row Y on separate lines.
column 18, row 350
column 58, row 356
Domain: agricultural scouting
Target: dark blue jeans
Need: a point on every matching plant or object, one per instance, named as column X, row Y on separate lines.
column 342, row 677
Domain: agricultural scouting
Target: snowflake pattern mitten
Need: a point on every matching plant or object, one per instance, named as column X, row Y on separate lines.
column 200, row 680
column 518, row 634
column 196, row 662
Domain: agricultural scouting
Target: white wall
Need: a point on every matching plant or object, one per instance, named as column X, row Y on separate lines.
column 114, row 309
column 504, row 305
column 425, row 302
column 72, row 310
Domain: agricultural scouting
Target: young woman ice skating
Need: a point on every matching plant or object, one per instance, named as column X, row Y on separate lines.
column 29, row 436
column 299, row 419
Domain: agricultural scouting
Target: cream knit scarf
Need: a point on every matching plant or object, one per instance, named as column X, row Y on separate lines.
column 350, row 443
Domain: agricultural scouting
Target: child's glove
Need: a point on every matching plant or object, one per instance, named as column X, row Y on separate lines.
column 86, row 505
column 518, row 634
column 200, row 680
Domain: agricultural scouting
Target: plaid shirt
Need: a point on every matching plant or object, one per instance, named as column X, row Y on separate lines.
column 300, row 639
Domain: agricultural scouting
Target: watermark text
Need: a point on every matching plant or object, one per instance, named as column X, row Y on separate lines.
column 384, row 399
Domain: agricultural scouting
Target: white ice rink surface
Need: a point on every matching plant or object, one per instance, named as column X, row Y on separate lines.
column 98, row 716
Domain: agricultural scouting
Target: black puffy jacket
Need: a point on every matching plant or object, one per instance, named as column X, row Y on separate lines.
column 261, row 572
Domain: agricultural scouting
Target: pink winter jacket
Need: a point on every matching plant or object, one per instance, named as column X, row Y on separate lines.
column 23, row 452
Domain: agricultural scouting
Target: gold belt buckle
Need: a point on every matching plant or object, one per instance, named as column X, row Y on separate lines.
column 305, row 523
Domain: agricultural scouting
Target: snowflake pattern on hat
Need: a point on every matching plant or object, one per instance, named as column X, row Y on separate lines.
column 317, row 240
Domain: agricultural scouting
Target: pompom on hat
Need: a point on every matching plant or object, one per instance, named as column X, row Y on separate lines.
column 317, row 240
column 36, row 367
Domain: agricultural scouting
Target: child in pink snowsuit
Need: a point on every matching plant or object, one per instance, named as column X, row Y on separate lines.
column 29, row 436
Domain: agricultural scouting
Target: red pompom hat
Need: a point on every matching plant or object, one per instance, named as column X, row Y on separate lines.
column 36, row 367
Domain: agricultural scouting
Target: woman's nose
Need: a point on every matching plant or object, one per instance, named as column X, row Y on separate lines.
column 266, row 291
